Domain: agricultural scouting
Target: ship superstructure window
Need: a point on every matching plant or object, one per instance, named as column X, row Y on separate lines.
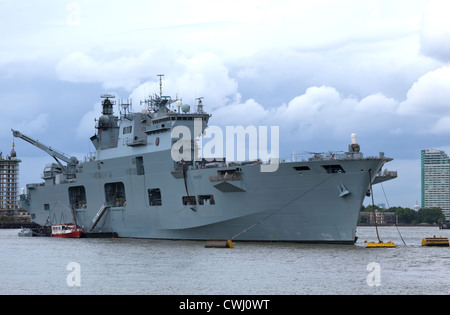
column 127, row 129
column 77, row 197
column 302, row 168
column 140, row 165
column 333, row 169
column 206, row 200
column 189, row 200
column 154, row 197
column 115, row 194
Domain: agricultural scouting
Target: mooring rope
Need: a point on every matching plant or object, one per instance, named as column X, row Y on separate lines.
column 389, row 208
column 373, row 206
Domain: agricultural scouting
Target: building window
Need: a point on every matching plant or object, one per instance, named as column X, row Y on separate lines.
column 77, row 197
column 189, row 200
column 206, row 200
column 333, row 169
column 154, row 197
column 115, row 194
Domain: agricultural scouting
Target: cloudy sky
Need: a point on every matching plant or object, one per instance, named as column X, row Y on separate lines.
column 320, row 70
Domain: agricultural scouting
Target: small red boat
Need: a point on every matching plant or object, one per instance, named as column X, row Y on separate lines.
column 68, row 230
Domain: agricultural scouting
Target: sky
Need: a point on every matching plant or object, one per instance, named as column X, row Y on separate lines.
column 320, row 70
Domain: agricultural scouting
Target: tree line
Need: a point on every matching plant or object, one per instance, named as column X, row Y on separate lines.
column 410, row 216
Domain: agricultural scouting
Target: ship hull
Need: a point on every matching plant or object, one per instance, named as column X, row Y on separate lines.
column 66, row 231
column 300, row 202
column 76, row 234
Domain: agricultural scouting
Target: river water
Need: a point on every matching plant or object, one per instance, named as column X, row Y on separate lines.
column 135, row 266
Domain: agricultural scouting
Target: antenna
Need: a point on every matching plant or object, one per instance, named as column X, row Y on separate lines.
column 160, row 83
column 107, row 96
column 126, row 106
column 200, row 105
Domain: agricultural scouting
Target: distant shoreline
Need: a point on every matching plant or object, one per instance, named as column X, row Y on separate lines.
column 18, row 225
column 33, row 225
column 401, row 224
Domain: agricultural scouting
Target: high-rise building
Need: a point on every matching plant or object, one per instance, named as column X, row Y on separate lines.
column 9, row 181
column 435, row 167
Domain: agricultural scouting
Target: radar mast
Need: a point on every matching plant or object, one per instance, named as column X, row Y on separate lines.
column 160, row 84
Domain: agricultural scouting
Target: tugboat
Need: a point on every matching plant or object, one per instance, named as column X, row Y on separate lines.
column 26, row 232
column 68, row 230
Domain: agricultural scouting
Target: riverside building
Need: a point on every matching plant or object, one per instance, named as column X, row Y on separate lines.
column 9, row 182
column 435, row 169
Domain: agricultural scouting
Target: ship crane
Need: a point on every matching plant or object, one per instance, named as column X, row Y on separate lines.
column 70, row 169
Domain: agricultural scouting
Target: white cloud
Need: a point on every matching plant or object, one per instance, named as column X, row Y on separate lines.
column 36, row 125
column 86, row 126
column 435, row 32
column 319, row 113
column 377, row 103
column 122, row 72
column 245, row 114
column 28, row 125
column 429, row 95
column 314, row 101
column 202, row 75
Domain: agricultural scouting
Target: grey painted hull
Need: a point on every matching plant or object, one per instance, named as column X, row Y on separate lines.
column 287, row 205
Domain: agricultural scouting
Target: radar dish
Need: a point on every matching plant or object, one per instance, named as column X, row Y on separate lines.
column 186, row 108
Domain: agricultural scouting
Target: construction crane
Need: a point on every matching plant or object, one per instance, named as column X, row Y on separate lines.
column 72, row 162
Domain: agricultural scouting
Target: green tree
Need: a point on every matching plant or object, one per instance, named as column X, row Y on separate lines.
column 405, row 215
column 431, row 215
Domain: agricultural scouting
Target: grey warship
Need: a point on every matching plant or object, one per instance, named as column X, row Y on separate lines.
column 133, row 187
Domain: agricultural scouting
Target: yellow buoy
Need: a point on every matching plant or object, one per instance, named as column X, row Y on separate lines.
column 380, row 245
column 435, row 241
column 219, row 244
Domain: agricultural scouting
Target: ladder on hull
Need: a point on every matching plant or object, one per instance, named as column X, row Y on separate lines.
column 98, row 216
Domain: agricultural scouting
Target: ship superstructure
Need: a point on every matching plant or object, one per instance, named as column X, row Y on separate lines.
column 134, row 187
